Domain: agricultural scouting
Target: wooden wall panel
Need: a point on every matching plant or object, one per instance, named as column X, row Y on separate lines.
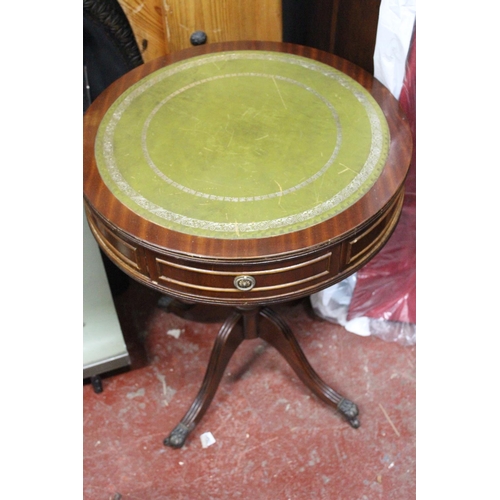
column 147, row 22
column 161, row 27
column 343, row 27
column 224, row 20
column 346, row 28
column 356, row 31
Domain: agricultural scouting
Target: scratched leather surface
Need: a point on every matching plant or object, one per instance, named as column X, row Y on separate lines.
column 242, row 144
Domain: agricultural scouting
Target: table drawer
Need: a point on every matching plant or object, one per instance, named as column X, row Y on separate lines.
column 249, row 281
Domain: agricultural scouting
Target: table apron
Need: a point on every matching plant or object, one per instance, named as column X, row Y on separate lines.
column 275, row 279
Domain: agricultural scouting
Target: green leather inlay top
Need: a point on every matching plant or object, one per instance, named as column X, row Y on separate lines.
column 242, row 144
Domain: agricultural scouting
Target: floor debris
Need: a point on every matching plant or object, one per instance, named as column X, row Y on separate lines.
column 174, row 332
column 207, row 439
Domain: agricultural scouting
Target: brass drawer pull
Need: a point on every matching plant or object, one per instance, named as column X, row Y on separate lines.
column 244, row 283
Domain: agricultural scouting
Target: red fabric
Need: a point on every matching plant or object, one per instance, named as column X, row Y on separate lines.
column 386, row 286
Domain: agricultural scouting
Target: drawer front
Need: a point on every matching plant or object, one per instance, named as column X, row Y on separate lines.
column 250, row 282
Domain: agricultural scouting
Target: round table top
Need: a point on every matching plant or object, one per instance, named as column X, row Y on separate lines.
column 242, row 144
column 243, row 150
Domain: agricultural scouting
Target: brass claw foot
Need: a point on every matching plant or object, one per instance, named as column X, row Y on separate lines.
column 350, row 412
column 177, row 437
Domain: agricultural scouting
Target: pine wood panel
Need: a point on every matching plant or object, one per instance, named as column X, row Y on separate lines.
column 147, row 22
column 161, row 27
column 224, row 20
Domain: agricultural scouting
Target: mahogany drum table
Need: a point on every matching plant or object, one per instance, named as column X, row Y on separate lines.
column 245, row 174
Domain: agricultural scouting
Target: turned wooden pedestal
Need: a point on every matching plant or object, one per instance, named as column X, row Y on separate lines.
column 252, row 323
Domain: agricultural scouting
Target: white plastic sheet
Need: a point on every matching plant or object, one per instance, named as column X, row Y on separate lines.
column 395, row 27
column 394, row 37
column 332, row 304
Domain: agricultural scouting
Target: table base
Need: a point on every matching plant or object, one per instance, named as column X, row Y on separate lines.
column 250, row 323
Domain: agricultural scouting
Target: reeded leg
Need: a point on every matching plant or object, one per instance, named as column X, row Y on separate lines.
column 228, row 339
column 277, row 333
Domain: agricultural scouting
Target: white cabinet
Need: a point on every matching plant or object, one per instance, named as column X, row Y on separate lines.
column 104, row 348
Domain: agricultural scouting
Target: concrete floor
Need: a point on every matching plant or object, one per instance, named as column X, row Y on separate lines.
column 273, row 438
